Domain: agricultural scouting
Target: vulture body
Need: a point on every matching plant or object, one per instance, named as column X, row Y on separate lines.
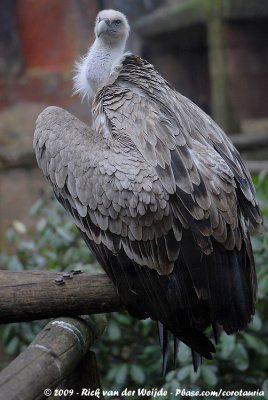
column 158, row 191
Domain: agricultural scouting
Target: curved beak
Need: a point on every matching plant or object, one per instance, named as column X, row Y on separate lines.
column 102, row 26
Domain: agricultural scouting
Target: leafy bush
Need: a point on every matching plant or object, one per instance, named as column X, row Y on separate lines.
column 129, row 354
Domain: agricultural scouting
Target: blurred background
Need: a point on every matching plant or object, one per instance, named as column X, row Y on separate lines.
column 213, row 51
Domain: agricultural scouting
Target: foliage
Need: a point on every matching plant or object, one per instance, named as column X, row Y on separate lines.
column 129, row 354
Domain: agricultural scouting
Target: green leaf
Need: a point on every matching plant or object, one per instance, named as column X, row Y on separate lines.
column 64, row 234
column 256, row 322
column 14, row 264
column 257, row 243
column 10, row 235
column 240, row 357
column 41, row 224
column 209, row 375
column 36, row 208
column 227, row 345
column 19, row 227
column 256, row 343
column 194, row 376
column 121, row 375
column 123, row 319
column 170, row 375
column 172, row 387
column 28, row 332
column 263, row 287
column 184, row 372
column 184, row 354
column 112, row 374
column 113, row 330
column 12, row 346
column 137, row 374
column 7, row 333
column 149, row 350
column 29, row 246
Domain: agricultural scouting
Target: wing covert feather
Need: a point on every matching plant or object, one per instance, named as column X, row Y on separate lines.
column 115, row 198
column 194, row 160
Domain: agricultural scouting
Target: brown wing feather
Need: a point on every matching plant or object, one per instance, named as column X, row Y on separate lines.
column 116, row 190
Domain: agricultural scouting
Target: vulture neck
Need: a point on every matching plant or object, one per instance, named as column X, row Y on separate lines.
column 101, row 59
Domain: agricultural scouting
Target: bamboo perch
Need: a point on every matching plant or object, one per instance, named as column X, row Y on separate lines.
column 85, row 375
column 51, row 357
column 28, row 296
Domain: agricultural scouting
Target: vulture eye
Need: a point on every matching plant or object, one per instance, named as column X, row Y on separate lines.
column 117, row 22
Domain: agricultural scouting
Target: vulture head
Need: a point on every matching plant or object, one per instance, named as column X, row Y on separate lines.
column 94, row 69
column 111, row 27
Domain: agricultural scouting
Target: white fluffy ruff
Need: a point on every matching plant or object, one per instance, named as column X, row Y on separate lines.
column 81, row 84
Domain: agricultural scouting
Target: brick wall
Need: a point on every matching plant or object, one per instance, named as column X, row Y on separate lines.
column 51, row 35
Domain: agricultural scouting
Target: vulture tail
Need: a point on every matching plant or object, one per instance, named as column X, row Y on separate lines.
column 164, row 340
column 163, row 334
column 162, row 298
column 198, row 342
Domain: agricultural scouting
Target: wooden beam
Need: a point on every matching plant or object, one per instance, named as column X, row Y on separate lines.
column 187, row 13
column 169, row 18
column 256, row 167
column 222, row 110
column 250, row 141
column 241, row 9
column 51, row 357
column 27, row 296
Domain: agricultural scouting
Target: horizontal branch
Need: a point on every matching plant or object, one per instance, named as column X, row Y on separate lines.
column 28, row 296
column 51, row 357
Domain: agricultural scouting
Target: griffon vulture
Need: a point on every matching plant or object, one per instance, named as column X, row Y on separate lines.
column 158, row 191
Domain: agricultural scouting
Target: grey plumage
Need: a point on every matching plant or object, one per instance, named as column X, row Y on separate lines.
column 163, row 199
